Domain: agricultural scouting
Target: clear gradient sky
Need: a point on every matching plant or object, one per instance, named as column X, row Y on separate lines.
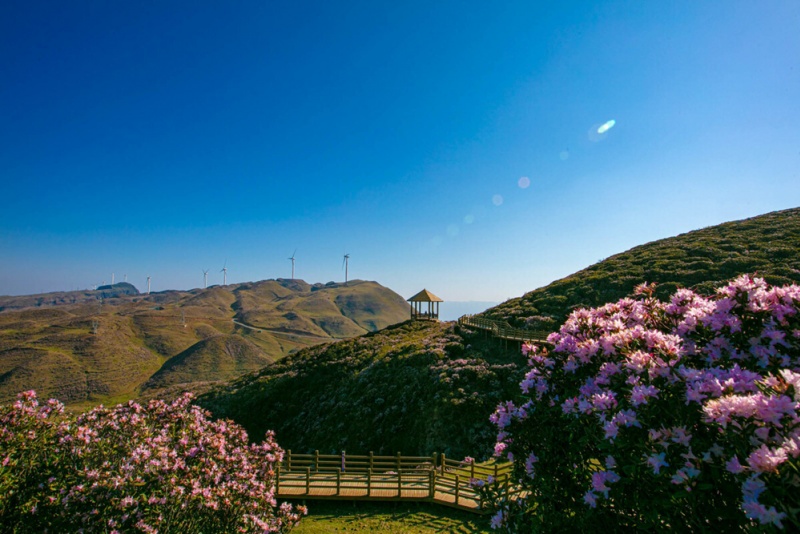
column 162, row 138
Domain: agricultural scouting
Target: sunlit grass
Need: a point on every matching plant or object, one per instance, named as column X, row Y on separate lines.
column 392, row 518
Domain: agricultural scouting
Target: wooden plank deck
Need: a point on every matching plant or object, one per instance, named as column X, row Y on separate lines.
column 503, row 330
column 378, row 487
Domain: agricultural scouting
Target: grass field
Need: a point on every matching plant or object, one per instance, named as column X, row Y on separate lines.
column 390, row 518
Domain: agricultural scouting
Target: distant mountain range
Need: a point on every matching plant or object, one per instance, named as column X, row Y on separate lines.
column 113, row 343
column 60, row 298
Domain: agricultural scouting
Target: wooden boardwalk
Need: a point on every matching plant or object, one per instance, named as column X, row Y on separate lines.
column 503, row 330
column 387, row 478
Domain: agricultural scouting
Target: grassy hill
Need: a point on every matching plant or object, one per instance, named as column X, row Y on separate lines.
column 768, row 245
column 417, row 387
column 424, row 387
column 84, row 348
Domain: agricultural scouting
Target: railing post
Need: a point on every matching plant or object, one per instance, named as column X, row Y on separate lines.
column 369, row 482
column 289, row 460
column 344, row 460
column 316, row 461
column 472, row 469
column 457, row 488
column 371, row 460
column 443, row 459
column 277, row 479
column 399, row 484
column 338, row 481
column 398, row 461
column 432, row 482
column 308, row 480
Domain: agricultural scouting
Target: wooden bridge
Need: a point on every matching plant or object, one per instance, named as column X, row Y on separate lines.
column 388, row 478
column 503, row 330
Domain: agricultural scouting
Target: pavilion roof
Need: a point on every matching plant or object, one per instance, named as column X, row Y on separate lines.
column 425, row 296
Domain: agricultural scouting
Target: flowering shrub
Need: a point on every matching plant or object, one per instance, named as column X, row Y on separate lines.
column 655, row 415
column 132, row 468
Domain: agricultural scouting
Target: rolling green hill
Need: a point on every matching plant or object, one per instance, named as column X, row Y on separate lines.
column 85, row 349
column 421, row 387
column 417, row 387
column 768, row 245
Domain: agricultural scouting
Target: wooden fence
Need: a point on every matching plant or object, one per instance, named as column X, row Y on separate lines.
column 503, row 330
column 434, row 478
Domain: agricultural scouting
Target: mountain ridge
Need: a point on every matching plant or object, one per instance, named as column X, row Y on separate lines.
column 112, row 349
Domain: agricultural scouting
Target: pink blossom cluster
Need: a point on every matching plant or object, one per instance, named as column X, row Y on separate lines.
column 158, row 467
column 683, row 389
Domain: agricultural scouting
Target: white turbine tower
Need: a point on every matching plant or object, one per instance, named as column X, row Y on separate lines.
column 292, row 260
column 148, row 285
column 205, row 278
column 112, row 279
column 224, row 272
column 125, row 278
column 346, row 265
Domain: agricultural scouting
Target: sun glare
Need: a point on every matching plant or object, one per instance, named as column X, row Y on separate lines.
column 606, row 127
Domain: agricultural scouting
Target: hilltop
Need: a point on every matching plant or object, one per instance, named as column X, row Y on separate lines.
column 421, row 387
column 767, row 245
column 418, row 387
column 108, row 345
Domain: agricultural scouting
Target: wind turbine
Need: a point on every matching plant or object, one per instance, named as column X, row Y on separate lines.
column 112, row 279
column 224, row 272
column 292, row 258
column 205, row 278
column 346, row 264
column 148, row 285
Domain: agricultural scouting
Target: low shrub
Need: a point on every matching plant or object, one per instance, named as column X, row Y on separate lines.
column 132, row 468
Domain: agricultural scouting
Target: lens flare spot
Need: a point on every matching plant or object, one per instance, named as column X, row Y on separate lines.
column 497, row 200
column 524, row 182
column 452, row 230
column 606, row 126
column 469, row 219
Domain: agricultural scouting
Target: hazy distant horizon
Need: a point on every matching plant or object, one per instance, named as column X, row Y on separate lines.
column 450, row 311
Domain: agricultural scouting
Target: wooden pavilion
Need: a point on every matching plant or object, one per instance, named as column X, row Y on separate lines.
column 417, row 306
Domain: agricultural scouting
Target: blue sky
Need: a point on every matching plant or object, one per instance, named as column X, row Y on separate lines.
column 164, row 138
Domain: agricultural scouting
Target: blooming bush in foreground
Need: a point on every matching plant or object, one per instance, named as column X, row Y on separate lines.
column 132, row 468
column 655, row 415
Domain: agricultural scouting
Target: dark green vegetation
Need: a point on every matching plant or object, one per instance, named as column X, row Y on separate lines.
column 768, row 245
column 417, row 388
column 112, row 349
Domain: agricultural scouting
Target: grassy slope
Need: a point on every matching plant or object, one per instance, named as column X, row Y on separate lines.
column 417, row 388
column 768, row 245
column 390, row 518
column 149, row 344
column 420, row 388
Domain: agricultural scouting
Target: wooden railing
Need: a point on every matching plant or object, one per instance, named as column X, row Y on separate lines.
column 434, row 478
column 503, row 330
